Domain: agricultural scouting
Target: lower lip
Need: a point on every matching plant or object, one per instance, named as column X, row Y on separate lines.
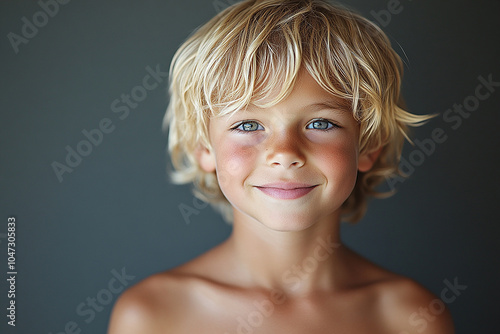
column 286, row 193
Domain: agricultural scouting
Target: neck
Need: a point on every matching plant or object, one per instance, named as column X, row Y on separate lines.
column 295, row 262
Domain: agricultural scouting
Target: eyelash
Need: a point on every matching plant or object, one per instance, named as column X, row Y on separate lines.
column 236, row 128
column 331, row 125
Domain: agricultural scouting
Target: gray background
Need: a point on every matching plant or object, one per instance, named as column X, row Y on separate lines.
column 116, row 209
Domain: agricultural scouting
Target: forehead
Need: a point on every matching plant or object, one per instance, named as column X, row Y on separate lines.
column 306, row 92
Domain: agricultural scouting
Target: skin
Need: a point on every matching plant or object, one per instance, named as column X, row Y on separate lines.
column 284, row 268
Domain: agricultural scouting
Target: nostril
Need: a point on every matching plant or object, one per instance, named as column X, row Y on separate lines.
column 285, row 155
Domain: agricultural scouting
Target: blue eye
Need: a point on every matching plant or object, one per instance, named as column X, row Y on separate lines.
column 248, row 126
column 321, row 124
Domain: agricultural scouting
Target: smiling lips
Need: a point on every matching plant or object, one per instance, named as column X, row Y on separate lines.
column 286, row 190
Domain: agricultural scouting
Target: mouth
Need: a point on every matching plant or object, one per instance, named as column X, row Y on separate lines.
column 286, row 190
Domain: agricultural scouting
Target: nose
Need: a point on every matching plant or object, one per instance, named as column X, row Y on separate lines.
column 285, row 150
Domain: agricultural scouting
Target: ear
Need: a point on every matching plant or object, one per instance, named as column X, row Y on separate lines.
column 206, row 158
column 366, row 160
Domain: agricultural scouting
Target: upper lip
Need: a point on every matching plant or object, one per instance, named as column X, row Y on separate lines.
column 287, row 185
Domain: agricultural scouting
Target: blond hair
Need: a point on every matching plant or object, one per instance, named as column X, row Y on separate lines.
column 254, row 47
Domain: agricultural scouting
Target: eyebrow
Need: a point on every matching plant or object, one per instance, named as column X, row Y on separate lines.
column 317, row 106
column 330, row 104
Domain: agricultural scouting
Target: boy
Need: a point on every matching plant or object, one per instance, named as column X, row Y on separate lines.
column 286, row 115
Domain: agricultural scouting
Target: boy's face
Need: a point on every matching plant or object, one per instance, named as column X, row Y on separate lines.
column 289, row 166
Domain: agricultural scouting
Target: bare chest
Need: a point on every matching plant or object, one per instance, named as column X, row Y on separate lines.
column 265, row 315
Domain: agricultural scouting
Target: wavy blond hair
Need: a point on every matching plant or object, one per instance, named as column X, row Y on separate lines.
column 254, row 47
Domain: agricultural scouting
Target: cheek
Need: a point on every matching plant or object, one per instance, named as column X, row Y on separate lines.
column 233, row 163
column 339, row 161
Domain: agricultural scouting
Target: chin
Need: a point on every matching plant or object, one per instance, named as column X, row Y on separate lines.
column 287, row 226
column 292, row 222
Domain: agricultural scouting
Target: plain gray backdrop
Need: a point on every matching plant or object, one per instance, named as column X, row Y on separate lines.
column 116, row 213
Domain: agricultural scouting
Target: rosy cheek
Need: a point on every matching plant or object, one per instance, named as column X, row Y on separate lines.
column 234, row 162
column 339, row 159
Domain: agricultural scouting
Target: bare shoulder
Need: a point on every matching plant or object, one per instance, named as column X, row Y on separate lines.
column 407, row 307
column 137, row 308
column 401, row 305
column 163, row 301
